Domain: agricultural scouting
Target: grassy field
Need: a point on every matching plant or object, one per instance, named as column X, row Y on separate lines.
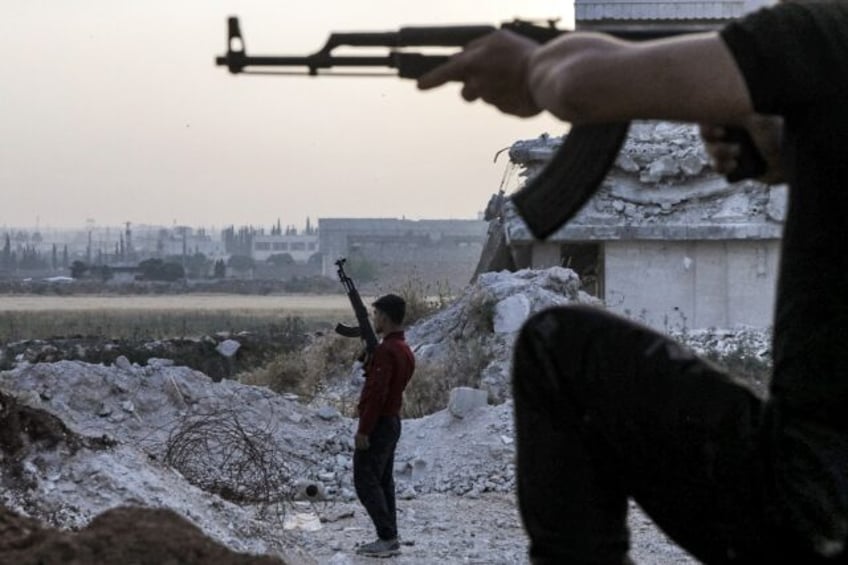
column 145, row 317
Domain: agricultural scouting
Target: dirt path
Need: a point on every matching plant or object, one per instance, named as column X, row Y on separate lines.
column 449, row 529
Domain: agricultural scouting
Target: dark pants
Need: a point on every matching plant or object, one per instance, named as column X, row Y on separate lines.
column 374, row 479
column 607, row 409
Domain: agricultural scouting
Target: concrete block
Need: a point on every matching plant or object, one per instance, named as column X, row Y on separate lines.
column 228, row 347
column 328, row 413
column 465, row 399
column 123, row 363
column 511, row 313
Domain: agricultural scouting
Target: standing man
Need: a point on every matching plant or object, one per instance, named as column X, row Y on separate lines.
column 386, row 375
column 607, row 409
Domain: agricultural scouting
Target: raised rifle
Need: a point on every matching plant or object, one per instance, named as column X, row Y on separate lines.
column 364, row 329
column 579, row 166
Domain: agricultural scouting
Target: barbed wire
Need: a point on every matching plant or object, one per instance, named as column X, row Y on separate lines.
column 222, row 453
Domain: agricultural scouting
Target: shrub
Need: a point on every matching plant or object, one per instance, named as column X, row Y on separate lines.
column 305, row 372
column 422, row 299
column 429, row 389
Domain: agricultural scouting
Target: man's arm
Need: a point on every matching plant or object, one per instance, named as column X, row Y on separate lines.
column 594, row 78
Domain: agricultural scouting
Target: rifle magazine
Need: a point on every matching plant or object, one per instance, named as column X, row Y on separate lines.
column 571, row 178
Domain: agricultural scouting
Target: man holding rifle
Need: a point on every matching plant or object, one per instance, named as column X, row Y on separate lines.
column 387, row 372
column 607, row 409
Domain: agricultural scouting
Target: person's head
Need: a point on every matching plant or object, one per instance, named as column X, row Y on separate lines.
column 389, row 311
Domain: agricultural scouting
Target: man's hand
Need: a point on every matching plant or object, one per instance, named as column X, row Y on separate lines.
column 767, row 133
column 492, row 68
column 360, row 441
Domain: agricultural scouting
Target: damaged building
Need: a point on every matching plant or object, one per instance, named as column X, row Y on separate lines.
column 666, row 240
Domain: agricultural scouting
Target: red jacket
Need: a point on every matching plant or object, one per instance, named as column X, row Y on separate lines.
column 387, row 374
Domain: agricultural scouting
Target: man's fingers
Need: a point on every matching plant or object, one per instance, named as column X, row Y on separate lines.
column 453, row 70
column 726, row 166
column 724, row 156
column 470, row 91
column 722, row 150
column 712, row 133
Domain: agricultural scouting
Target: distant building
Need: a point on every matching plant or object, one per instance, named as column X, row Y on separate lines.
column 431, row 250
column 300, row 246
column 184, row 240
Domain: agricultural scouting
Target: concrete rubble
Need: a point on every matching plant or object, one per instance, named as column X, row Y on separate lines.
column 465, row 451
column 660, row 180
column 465, row 399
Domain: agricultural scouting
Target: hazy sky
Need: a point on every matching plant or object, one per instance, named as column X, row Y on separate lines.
column 112, row 110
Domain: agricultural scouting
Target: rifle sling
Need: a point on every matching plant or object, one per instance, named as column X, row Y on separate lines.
column 570, row 178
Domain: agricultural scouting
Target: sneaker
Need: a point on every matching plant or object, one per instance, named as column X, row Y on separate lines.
column 380, row 548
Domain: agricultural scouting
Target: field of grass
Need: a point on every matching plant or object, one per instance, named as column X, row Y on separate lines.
column 160, row 316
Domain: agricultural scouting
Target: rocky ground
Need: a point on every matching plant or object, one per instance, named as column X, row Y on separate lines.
column 265, row 474
column 455, row 475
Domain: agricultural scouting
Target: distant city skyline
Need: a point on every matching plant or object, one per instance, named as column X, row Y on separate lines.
column 120, row 226
column 114, row 111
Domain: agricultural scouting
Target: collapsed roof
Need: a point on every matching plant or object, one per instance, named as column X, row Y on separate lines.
column 660, row 187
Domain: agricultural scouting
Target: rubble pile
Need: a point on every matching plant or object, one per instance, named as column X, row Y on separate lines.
column 662, row 151
column 119, row 535
column 722, row 343
column 126, row 416
column 488, row 316
column 660, row 176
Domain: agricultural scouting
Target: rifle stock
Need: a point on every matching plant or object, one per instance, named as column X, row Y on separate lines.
column 575, row 172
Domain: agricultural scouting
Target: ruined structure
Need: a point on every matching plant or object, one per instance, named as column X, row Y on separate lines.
column 665, row 240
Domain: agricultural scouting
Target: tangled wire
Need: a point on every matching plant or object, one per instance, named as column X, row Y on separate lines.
column 222, row 454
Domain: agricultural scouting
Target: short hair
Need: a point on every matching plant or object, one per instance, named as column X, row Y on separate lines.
column 392, row 306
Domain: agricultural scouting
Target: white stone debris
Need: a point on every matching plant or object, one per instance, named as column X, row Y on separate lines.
column 465, row 399
column 443, row 463
column 661, row 177
column 228, row 348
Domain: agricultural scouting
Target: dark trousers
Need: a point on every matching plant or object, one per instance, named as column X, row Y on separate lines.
column 607, row 409
column 373, row 476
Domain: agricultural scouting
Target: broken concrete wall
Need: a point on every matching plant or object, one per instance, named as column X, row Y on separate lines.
column 678, row 285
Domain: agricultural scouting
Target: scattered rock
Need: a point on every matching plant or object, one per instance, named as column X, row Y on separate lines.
column 463, row 400
column 328, row 413
column 663, row 167
column 123, row 363
column 511, row 313
column 228, row 347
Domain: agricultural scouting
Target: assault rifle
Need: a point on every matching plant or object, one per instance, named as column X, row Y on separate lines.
column 364, row 329
column 574, row 173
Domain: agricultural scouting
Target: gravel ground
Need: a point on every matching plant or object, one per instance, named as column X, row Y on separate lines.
column 450, row 529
